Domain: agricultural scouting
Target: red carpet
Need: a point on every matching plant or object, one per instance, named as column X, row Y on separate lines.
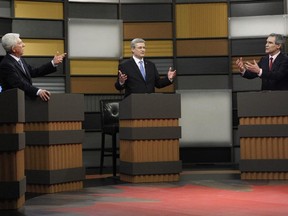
column 231, row 198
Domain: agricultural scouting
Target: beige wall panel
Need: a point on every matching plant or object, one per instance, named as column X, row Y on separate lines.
column 202, row 47
column 246, row 58
column 201, row 20
column 93, row 85
column 35, row 47
column 148, row 30
column 40, row 10
column 93, row 67
column 162, row 48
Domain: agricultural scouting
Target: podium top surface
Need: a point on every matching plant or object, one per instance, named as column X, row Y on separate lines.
column 150, row 106
column 264, row 103
column 60, row 107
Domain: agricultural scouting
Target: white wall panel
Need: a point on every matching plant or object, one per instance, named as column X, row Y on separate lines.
column 206, row 118
column 95, row 38
column 255, row 26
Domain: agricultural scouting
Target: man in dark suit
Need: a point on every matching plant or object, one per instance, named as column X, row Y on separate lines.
column 139, row 75
column 272, row 68
column 16, row 73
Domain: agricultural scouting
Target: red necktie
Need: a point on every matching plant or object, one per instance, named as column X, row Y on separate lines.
column 270, row 63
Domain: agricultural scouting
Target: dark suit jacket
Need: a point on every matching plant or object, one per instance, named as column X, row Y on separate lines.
column 277, row 78
column 135, row 82
column 12, row 75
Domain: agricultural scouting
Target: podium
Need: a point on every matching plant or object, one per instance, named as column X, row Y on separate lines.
column 12, row 144
column 263, row 123
column 54, row 136
column 149, row 135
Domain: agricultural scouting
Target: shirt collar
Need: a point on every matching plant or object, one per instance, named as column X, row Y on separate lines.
column 274, row 56
column 137, row 60
column 16, row 58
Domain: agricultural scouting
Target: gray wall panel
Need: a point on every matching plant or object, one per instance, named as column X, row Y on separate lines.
column 52, row 84
column 163, row 65
column 243, row 84
column 93, row 11
column 38, row 61
column 248, row 46
column 38, row 28
column 5, row 26
column 92, row 140
column 209, row 65
column 202, row 82
column 5, row 8
column 239, row 9
column 145, row 12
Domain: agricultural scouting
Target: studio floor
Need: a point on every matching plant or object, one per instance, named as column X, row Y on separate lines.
column 200, row 192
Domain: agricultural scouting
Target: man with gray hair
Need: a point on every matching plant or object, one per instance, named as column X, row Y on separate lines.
column 139, row 75
column 272, row 68
column 16, row 73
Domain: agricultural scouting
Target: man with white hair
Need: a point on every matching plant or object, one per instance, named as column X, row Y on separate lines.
column 16, row 73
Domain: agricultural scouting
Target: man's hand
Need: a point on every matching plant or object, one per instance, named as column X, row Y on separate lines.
column 240, row 65
column 171, row 74
column 122, row 77
column 253, row 67
column 58, row 58
column 44, row 95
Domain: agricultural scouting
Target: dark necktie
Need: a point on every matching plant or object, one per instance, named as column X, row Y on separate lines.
column 142, row 69
column 22, row 66
column 270, row 63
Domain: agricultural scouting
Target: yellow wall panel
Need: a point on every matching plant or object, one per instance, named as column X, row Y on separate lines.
column 163, row 48
column 217, row 47
column 147, row 30
column 93, row 67
column 40, row 10
column 201, row 20
column 35, row 47
column 93, row 85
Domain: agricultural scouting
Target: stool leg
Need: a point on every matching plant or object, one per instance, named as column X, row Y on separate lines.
column 114, row 153
column 102, row 152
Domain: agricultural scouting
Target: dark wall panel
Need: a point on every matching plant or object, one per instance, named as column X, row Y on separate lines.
column 38, row 28
column 38, row 61
column 242, row 84
column 5, row 26
column 93, row 11
column 5, row 8
column 209, row 65
column 146, row 12
column 239, row 9
column 203, row 82
column 248, row 46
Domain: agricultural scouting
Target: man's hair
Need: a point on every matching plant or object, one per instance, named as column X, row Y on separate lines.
column 135, row 41
column 279, row 39
column 9, row 40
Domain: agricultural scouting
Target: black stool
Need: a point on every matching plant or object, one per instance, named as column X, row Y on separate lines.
column 110, row 126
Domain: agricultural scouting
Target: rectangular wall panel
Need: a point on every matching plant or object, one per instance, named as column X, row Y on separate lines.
column 39, row 61
column 201, row 20
column 203, row 82
column 206, row 118
column 93, row 67
column 242, row 84
column 146, row 12
column 52, row 84
column 41, row 10
column 257, row 26
column 248, row 46
column 198, row 66
column 246, row 8
column 162, row 48
column 148, row 30
column 92, row 10
column 217, row 47
column 38, row 47
column 102, row 38
column 5, row 8
column 38, row 28
column 6, row 26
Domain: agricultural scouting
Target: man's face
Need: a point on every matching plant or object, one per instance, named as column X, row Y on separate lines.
column 139, row 50
column 18, row 49
column 270, row 47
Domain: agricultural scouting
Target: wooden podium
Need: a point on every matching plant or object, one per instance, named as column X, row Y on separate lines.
column 149, row 138
column 12, row 144
column 263, row 134
column 54, row 136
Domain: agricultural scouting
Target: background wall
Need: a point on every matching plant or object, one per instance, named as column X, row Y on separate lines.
column 201, row 39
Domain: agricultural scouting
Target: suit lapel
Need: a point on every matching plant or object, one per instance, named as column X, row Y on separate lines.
column 136, row 68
